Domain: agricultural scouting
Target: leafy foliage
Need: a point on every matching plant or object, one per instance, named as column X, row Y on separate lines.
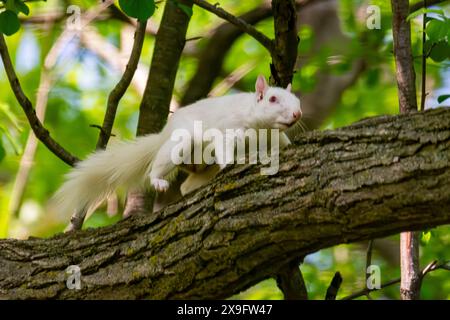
column 9, row 20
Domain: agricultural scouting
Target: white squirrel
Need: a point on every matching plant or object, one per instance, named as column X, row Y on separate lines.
column 149, row 157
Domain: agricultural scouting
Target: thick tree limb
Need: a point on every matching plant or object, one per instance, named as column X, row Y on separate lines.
column 36, row 125
column 357, row 183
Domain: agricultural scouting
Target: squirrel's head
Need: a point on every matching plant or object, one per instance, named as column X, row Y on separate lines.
column 276, row 108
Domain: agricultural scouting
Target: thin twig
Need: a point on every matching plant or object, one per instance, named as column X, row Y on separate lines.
column 432, row 266
column 241, row 24
column 424, row 61
column 122, row 86
column 369, row 262
column 290, row 281
column 36, row 125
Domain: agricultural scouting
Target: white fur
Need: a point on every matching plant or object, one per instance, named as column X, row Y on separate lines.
column 130, row 164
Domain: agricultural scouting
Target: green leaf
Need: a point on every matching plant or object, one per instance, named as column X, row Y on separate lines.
column 436, row 30
column 426, row 236
column 186, row 9
column 9, row 22
column 140, row 9
column 422, row 11
column 2, row 151
column 22, row 7
column 440, row 51
column 373, row 77
column 442, row 98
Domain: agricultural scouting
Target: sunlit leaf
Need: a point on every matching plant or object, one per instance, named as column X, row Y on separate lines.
column 436, row 30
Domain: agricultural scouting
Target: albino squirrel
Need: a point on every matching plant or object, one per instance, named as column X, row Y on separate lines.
column 131, row 164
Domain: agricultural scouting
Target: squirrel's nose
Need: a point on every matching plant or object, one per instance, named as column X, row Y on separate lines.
column 296, row 115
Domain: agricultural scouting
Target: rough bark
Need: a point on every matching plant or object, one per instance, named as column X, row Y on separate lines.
column 284, row 54
column 360, row 182
column 406, row 82
column 169, row 44
column 401, row 30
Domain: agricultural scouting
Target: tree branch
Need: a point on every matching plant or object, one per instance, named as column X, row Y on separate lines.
column 401, row 30
column 357, row 183
column 241, row 24
column 334, row 287
column 121, row 87
column 36, row 125
column 155, row 105
column 284, row 54
column 290, row 281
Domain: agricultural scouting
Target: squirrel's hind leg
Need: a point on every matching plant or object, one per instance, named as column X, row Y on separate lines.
column 161, row 167
column 196, row 180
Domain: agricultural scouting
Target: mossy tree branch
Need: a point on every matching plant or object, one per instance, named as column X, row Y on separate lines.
column 356, row 183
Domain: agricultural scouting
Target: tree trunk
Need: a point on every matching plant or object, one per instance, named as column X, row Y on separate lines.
column 155, row 105
column 352, row 184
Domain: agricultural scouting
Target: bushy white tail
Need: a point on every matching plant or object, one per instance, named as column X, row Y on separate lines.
column 94, row 179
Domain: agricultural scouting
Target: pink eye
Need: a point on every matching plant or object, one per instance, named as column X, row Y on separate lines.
column 273, row 99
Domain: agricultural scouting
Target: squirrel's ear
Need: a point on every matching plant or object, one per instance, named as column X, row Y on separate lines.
column 261, row 87
column 289, row 87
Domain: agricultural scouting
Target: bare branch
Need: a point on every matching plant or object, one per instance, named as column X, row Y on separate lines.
column 401, row 30
column 241, row 24
column 121, row 87
column 36, row 125
column 334, row 287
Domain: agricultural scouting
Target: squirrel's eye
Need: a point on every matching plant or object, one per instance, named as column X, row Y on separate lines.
column 273, row 99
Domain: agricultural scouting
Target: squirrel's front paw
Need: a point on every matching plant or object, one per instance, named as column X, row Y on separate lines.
column 160, row 185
